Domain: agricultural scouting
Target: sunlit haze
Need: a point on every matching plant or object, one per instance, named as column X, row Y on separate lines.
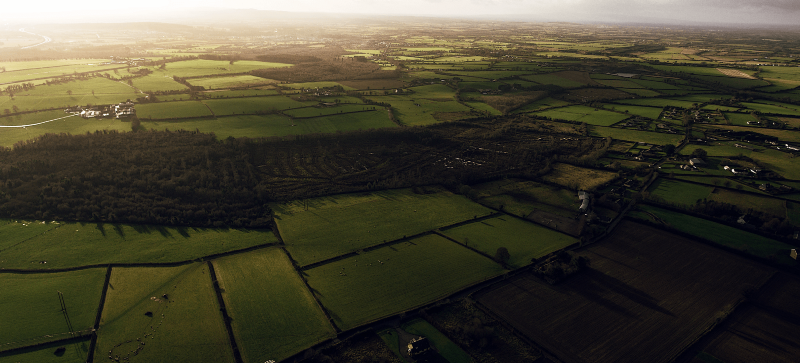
column 731, row 13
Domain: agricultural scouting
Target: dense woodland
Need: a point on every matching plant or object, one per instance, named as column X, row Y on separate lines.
column 191, row 178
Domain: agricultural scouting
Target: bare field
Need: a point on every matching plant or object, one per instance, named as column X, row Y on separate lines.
column 575, row 177
column 648, row 295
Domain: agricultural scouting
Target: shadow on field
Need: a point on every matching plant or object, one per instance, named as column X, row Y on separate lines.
column 100, row 227
column 597, row 282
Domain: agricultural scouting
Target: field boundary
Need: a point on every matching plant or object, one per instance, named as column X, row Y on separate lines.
column 484, row 254
column 237, row 356
column 142, row 264
column 311, row 290
column 93, row 343
column 65, row 341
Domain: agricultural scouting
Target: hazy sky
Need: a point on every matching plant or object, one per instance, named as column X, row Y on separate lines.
column 705, row 11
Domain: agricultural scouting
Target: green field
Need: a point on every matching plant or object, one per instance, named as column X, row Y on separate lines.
column 70, row 94
column 679, row 193
column 554, row 79
column 202, row 67
column 589, row 115
column 72, row 244
column 637, row 136
column 360, row 289
column 658, row 102
column 31, row 312
column 252, row 105
column 649, row 112
column 76, row 352
column 774, row 107
column 349, row 222
column 229, row 82
column 315, row 85
column 725, row 235
column 239, row 93
column 326, row 111
column 739, row 119
column 156, row 82
column 274, row 315
column 540, row 104
column 73, row 125
column 524, row 240
column 446, row 348
column 522, row 197
column 407, row 111
column 169, row 110
column 746, row 202
column 187, row 326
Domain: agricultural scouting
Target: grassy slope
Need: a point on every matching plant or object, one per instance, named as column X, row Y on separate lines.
column 191, row 329
column 412, row 273
column 346, row 223
column 677, row 192
column 274, row 315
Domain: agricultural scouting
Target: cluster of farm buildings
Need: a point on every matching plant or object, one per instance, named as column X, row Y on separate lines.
column 123, row 110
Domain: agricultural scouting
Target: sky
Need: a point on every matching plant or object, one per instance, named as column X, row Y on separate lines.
column 730, row 12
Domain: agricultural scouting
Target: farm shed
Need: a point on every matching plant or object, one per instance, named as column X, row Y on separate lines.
column 793, row 253
column 418, row 346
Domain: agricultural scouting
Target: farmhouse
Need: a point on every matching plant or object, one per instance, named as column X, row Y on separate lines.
column 793, row 253
column 418, row 346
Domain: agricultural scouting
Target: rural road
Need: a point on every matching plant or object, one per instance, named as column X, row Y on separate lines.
column 39, row 123
column 46, row 39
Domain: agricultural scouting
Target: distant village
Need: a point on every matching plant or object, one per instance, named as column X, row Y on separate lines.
column 123, row 110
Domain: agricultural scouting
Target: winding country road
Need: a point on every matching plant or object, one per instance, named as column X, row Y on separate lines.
column 46, row 39
column 39, row 123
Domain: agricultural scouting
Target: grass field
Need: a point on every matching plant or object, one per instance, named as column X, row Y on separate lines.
column 70, row 94
column 555, row 80
column 649, row 112
column 446, row 348
column 407, row 111
column 168, row 110
column 274, row 315
column 326, row 111
column 239, row 93
column 575, row 177
column 202, row 67
column 228, row 82
column 72, row 125
column 657, row 102
column 724, row 235
column 157, row 81
column 589, row 115
column 392, row 340
column 31, row 312
column 315, row 85
column 636, row 136
column 540, row 104
column 186, row 326
column 347, row 223
column 524, row 240
column 749, row 201
column 774, row 108
column 522, row 197
column 360, row 289
column 678, row 192
column 647, row 296
column 79, row 244
column 251, row 105
column 76, row 352
column 739, row 119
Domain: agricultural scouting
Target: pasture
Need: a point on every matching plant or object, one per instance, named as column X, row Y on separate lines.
column 395, row 278
column 541, row 104
column 657, row 138
column 649, row 112
column 75, row 352
column 658, row 102
column 72, row 125
column 316, row 85
column 589, row 115
column 678, row 192
column 524, row 240
column 230, row 82
column 350, row 222
column 575, row 177
column 71, row 244
column 157, row 82
column 327, row 111
column 665, row 294
column 274, row 315
column 139, row 323
column 554, row 80
column 202, row 67
column 724, row 235
column 31, row 312
column 522, row 197
column 744, row 201
column 252, row 105
column 782, row 163
column 172, row 110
